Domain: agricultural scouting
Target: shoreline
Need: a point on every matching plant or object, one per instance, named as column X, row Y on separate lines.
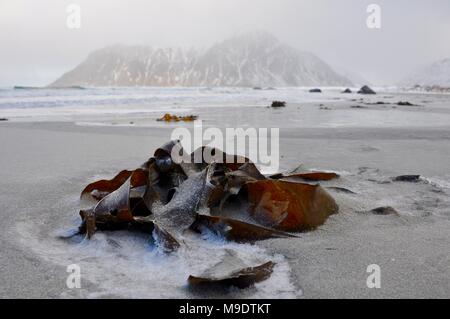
column 46, row 164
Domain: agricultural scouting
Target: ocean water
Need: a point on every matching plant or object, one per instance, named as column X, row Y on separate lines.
column 145, row 99
column 11, row 98
column 139, row 106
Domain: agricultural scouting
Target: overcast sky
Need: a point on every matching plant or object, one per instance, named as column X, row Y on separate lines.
column 36, row 46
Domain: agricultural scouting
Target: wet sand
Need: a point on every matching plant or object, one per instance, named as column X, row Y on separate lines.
column 45, row 165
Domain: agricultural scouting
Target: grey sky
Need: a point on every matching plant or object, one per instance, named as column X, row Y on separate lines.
column 36, row 46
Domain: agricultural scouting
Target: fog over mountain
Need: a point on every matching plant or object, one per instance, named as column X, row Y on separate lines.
column 37, row 46
column 435, row 74
column 251, row 59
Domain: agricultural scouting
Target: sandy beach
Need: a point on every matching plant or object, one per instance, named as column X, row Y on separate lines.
column 224, row 157
column 45, row 163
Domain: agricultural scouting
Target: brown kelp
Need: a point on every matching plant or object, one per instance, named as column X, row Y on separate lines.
column 207, row 191
column 232, row 271
column 175, row 118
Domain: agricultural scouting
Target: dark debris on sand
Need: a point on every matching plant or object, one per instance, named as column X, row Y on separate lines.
column 405, row 103
column 407, row 178
column 278, row 104
column 385, row 210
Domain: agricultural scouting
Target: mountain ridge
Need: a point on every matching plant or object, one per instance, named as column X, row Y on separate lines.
column 252, row 59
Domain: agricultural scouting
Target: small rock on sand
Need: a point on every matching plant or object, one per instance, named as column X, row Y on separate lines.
column 407, row 178
column 366, row 90
column 385, row 210
column 278, row 104
column 405, row 103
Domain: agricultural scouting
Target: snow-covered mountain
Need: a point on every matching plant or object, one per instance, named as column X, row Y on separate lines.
column 252, row 59
column 436, row 74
